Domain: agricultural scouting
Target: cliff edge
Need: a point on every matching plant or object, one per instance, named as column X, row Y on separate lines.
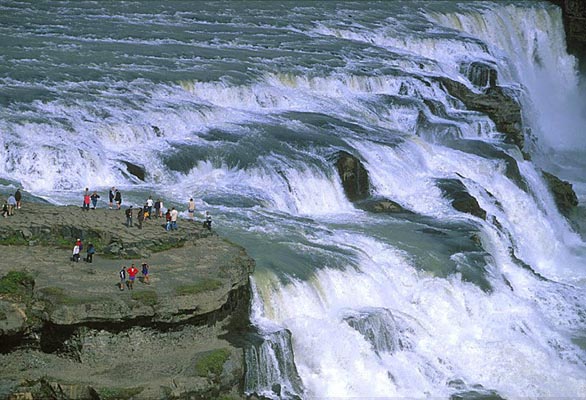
column 67, row 330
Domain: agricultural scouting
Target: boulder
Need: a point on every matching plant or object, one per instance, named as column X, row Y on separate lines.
column 563, row 194
column 135, row 170
column 353, row 175
column 463, row 201
column 381, row 205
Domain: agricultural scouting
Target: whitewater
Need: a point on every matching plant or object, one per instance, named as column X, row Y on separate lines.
column 245, row 106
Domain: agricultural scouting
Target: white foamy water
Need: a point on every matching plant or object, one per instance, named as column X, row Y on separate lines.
column 245, row 107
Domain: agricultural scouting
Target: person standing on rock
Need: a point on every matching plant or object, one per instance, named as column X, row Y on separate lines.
column 95, row 196
column 140, row 217
column 145, row 273
column 111, row 195
column 86, row 200
column 18, row 198
column 207, row 223
column 174, row 213
column 91, row 250
column 168, row 219
column 191, row 208
column 122, row 275
column 132, row 271
column 79, row 243
column 11, row 204
column 118, row 199
column 158, row 207
column 149, row 204
column 128, row 213
column 75, row 255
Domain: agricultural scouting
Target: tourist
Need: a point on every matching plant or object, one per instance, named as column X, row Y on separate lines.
column 149, row 205
column 11, row 204
column 111, row 195
column 18, row 198
column 75, row 256
column 129, row 216
column 95, row 196
column 118, row 199
column 79, row 243
column 145, row 273
column 191, row 208
column 122, row 275
column 140, row 217
column 132, row 271
column 174, row 213
column 158, row 208
column 5, row 209
column 86, row 200
column 207, row 223
column 168, row 219
column 90, row 253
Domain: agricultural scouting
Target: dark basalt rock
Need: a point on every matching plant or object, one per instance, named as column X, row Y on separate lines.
column 353, row 175
column 135, row 170
column 563, row 194
column 381, row 205
column 574, row 13
column 462, row 201
column 495, row 102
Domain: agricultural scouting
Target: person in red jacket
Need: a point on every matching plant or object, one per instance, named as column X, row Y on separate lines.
column 86, row 200
column 132, row 271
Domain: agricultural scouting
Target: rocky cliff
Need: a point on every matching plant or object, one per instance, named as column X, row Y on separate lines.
column 68, row 331
column 574, row 13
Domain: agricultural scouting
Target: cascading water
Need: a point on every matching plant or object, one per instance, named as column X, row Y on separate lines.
column 247, row 107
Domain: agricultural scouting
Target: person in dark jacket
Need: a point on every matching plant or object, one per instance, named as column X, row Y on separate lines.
column 118, row 199
column 91, row 250
column 18, row 197
column 94, row 197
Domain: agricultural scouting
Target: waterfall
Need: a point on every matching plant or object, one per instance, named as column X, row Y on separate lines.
column 270, row 368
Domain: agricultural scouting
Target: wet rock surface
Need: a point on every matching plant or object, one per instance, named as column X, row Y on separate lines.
column 67, row 330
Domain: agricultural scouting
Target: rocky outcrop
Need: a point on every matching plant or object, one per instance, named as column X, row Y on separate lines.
column 381, row 205
column 500, row 106
column 574, row 13
column 67, row 330
column 462, row 201
column 563, row 194
column 135, row 170
column 353, row 175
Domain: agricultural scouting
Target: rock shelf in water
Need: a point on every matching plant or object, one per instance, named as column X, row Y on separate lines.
column 68, row 331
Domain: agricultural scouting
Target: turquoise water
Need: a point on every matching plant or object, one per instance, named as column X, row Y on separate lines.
column 245, row 105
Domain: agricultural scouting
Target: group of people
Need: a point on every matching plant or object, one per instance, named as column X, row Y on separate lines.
column 146, row 212
column 90, row 198
column 114, row 199
column 151, row 209
column 12, row 203
column 78, row 247
column 128, row 276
